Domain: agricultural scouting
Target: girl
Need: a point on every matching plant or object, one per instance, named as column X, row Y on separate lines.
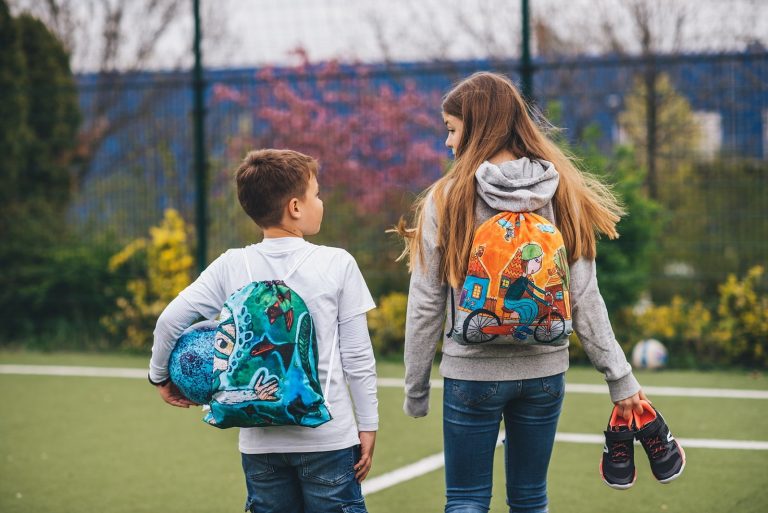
column 503, row 162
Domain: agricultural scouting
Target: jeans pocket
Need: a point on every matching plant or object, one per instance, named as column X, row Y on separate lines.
column 472, row 393
column 256, row 466
column 554, row 385
column 329, row 467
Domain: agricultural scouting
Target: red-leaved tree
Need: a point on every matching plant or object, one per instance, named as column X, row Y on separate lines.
column 371, row 139
column 377, row 140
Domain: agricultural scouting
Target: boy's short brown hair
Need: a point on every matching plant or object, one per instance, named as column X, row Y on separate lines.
column 267, row 179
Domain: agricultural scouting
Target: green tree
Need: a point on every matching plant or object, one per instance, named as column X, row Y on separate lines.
column 13, row 107
column 623, row 264
column 53, row 116
column 665, row 140
column 673, row 135
column 724, row 205
column 38, row 128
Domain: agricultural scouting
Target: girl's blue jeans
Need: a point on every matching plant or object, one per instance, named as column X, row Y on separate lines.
column 472, row 413
column 311, row 482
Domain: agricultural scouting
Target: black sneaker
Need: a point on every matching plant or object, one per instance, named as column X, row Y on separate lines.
column 666, row 456
column 617, row 467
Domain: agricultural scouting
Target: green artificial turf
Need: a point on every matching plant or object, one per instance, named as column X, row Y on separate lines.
column 75, row 444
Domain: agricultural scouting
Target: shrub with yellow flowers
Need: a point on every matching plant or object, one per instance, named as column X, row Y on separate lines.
column 742, row 325
column 162, row 264
column 683, row 327
column 387, row 324
column 735, row 334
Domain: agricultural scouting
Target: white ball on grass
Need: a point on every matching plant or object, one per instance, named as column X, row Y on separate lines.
column 649, row 354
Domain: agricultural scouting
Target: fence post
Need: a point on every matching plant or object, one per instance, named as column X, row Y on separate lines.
column 650, row 75
column 526, row 66
column 201, row 179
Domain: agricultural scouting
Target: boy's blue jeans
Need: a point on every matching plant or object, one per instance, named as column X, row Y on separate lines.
column 306, row 482
column 472, row 413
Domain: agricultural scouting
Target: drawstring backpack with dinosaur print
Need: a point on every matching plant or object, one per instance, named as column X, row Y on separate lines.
column 265, row 359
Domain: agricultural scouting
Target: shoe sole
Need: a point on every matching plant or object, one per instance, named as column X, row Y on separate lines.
column 621, row 486
column 675, row 476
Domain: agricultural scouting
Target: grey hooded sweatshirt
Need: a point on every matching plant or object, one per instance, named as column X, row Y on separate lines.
column 518, row 186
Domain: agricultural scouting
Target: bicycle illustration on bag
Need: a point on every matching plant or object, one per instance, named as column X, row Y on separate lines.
column 529, row 313
column 483, row 325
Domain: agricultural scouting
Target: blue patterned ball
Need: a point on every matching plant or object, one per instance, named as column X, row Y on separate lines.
column 191, row 362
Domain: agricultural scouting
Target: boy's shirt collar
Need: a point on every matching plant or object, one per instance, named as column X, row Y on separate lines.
column 282, row 244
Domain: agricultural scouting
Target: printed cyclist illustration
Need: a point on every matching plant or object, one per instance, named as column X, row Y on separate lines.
column 516, row 284
column 506, row 294
column 514, row 300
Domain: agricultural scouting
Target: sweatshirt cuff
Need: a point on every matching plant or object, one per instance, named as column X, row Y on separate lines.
column 157, row 375
column 623, row 387
column 416, row 406
column 368, row 426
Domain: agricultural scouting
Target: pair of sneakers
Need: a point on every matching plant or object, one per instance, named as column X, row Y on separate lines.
column 665, row 455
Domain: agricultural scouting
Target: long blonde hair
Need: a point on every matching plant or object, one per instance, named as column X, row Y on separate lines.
column 496, row 118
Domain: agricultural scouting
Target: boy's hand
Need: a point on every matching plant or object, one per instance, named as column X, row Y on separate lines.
column 367, row 443
column 171, row 395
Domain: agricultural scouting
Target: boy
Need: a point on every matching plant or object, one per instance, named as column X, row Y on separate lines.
column 292, row 468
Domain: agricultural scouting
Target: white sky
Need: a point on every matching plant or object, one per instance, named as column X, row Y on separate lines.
column 265, row 31
column 246, row 33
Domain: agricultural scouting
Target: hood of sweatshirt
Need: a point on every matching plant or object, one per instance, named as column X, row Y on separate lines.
column 520, row 185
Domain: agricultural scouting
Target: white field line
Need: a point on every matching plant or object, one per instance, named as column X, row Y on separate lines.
column 700, row 443
column 59, row 370
column 730, row 393
column 437, row 461
column 114, row 372
column 408, row 472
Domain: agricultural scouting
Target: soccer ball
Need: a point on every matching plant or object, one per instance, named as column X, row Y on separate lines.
column 649, row 354
column 191, row 362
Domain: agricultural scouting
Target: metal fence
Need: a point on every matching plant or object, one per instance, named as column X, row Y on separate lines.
column 707, row 144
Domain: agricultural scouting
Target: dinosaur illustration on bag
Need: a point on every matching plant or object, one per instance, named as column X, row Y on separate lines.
column 265, row 370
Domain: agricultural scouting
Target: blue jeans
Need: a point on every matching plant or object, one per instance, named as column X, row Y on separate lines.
column 305, row 482
column 472, row 413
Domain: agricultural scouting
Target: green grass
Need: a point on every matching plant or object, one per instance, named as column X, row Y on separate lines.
column 74, row 445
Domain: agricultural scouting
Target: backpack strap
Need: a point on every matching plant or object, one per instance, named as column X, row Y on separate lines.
column 453, row 312
column 247, row 266
column 330, row 369
column 292, row 270
column 300, row 261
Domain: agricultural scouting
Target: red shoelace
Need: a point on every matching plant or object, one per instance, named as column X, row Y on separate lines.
column 656, row 446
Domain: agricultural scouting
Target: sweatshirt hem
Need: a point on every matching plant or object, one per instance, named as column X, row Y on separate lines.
column 504, row 368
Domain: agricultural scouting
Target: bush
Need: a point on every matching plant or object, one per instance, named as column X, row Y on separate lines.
column 736, row 335
column 742, row 326
column 162, row 266
column 52, row 290
column 387, row 324
column 684, row 329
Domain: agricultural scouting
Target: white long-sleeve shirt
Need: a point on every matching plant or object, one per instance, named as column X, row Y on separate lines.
column 333, row 288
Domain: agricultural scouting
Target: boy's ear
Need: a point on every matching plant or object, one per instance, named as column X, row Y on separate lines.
column 293, row 208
